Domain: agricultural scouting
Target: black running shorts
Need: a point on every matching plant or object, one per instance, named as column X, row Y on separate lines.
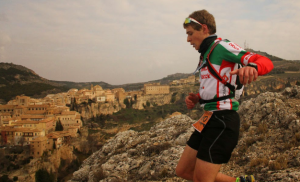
column 219, row 137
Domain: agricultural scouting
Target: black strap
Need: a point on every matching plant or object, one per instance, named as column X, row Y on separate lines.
column 216, row 99
column 218, row 77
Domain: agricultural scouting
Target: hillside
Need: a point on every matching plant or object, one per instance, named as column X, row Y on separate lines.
column 17, row 80
column 269, row 145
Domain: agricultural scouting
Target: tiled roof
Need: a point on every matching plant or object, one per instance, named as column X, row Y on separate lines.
column 5, row 114
column 33, row 116
column 53, row 135
column 37, row 106
column 39, row 139
column 27, row 130
column 6, row 106
column 68, row 113
column 27, row 122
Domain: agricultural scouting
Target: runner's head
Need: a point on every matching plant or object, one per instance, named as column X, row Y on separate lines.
column 198, row 18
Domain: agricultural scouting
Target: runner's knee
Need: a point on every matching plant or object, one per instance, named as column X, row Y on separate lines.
column 178, row 171
column 181, row 172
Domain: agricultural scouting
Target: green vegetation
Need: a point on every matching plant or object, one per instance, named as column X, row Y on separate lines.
column 59, row 126
column 42, row 175
column 8, row 75
column 5, row 178
column 10, row 91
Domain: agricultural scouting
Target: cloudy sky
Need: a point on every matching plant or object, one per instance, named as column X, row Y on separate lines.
column 130, row 41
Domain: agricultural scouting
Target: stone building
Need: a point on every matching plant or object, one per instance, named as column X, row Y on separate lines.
column 110, row 97
column 70, row 119
column 19, row 136
column 38, row 146
column 156, row 88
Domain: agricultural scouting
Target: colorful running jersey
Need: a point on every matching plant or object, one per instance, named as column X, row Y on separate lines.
column 225, row 58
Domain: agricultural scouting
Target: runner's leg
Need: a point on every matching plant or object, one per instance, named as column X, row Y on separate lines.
column 186, row 164
column 224, row 178
column 205, row 171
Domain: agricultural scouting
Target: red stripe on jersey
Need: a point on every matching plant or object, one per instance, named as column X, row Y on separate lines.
column 264, row 64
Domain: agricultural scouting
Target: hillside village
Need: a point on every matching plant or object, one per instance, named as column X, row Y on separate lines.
column 34, row 122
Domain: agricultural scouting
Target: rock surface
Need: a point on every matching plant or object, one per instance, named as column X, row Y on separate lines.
column 269, row 145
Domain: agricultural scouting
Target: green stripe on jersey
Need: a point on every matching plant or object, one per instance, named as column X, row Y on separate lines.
column 212, row 106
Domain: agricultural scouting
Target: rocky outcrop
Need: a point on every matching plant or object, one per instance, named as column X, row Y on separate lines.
column 94, row 109
column 132, row 155
column 268, row 146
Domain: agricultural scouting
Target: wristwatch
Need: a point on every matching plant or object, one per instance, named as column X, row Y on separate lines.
column 253, row 65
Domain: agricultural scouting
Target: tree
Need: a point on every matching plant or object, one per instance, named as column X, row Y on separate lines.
column 59, row 126
column 22, row 140
column 126, row 102
column 148, row 104
column 42, row 175
column 5, row 178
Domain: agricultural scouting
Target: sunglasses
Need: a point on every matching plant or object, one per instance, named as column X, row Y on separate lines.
column 189, row 20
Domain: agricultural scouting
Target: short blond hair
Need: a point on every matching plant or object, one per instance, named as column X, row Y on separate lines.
column 203, row 17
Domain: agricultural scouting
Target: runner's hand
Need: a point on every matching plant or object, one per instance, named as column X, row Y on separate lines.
column 246, row 74
column 191, row 100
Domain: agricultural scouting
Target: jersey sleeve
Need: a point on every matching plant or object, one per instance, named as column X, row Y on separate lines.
column 232, row 52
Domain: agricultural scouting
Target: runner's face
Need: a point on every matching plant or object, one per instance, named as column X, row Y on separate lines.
column 195, row 37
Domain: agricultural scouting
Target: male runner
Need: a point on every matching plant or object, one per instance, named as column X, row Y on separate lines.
column 207, row 150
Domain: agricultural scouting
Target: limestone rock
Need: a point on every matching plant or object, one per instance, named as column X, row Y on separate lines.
column 268, row 146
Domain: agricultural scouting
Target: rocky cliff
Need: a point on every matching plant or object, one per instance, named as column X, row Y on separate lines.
column 91, row 110
column 269, row 145
column 50, row 162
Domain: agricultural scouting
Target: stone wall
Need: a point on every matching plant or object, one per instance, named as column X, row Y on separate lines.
column 154, row 100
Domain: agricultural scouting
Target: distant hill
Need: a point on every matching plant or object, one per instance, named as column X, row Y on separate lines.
column 17, row 80
column 271, row 57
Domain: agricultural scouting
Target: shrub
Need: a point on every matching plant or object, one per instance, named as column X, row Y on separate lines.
column 250, row 141
column 15, row 178
column 279, row 163
column 262, row 128
column 259, row 161
column 156, row 149
column 99, row 174
column 179, row 132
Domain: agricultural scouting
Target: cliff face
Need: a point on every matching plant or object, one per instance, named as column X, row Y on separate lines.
column 48, row 162
column 94, row 109
column 268, row 146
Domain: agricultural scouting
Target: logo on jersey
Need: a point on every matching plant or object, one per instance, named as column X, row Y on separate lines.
column 225, row 77
column 232, row 47
column 247, row 58
column 235, row 46
column 205, row 76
